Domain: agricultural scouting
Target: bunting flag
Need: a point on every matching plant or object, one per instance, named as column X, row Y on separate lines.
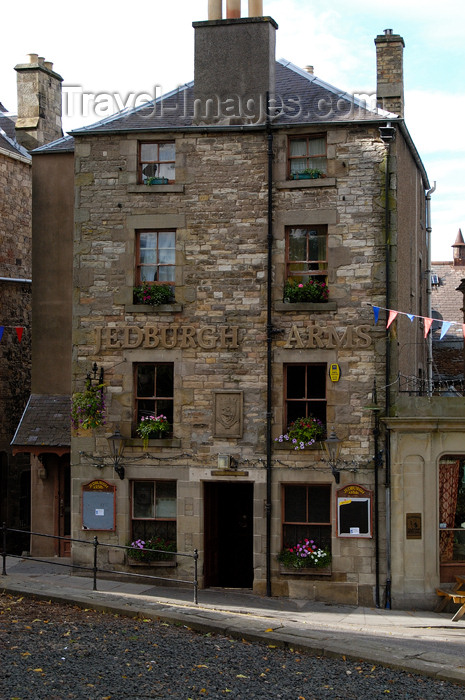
column 445, row 327
column 392, row 316
column 428, row 322
column 19, row 331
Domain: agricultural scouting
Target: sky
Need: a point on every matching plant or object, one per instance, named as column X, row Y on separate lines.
column 109, row 56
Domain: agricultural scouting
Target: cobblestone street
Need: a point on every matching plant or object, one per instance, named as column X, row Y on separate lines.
column 51, row 651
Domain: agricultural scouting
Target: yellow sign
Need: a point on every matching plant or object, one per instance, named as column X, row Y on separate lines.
column 334, row 372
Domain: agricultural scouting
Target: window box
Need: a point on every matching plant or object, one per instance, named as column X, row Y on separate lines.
column 157, row 181
column 312, row 174
column 290, row 447
column 152, row 564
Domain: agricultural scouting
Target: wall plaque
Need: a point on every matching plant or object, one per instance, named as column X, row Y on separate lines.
column 228, row 414
column 413, row 526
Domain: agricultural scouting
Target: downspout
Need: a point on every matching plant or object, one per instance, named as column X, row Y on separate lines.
column 269, row 340
column 429, row 359
column 387, row 134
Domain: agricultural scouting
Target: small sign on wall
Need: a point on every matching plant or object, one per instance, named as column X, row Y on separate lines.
column 354, row 511
column 98, row 505
column 413, row 526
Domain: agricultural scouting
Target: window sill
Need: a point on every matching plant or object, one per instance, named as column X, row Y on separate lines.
column 314, row 572
column 158, row 442
column 157, row 309
column 299, row 184
column 306, row 306
column 147, row 189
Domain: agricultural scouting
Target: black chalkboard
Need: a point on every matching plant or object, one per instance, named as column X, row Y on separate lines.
column 354, row 517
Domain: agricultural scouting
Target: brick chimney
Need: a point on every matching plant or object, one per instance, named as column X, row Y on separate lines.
column 390, row 72
column 234, row 64
column 39, row 103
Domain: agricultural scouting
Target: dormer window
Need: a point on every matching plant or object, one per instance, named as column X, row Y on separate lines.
column 307, row 157
column 157, row 162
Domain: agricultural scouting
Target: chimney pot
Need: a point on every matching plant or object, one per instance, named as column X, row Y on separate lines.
column 33, row 57
column 41, row 60
column 233, row 9
column 388, row 32
column 48, row 65
column 215, row 10
column 255, row 8
column 309, row 69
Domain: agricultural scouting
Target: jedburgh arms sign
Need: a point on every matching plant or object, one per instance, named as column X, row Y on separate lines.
column 224, row 337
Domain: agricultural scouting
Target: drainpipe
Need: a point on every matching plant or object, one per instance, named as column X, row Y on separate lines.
column 387, row 134
column 429, row 360
column 269, row 341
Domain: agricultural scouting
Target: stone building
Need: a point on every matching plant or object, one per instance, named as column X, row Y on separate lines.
column 38, row 121
column 233, row 190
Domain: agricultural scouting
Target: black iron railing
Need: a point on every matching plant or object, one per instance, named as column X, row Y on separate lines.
column 95, row 568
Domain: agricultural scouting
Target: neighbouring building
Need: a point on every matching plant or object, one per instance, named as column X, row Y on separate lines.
column 38, row 121
column 233, row 190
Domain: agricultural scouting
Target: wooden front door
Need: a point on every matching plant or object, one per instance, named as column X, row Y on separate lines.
column 228, row 534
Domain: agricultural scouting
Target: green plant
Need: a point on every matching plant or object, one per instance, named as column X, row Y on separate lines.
column 156, row 181
column 303, row 432
column 313, row 173
column 311, row 291
column 154, row 294
column 88, row 407
column 144, row 550
column 305, row 555
column 152, row 427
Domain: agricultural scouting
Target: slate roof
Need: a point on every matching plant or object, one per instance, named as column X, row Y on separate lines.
column 46, row 422
column 63, row 145
column 307, row 100
column 446, row 302
column 8, row 136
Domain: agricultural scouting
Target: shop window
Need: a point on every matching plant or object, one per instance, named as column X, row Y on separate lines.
column 154, row 390
column 155, row 257
column 305, row 392
column 306, row 253
column 153, row 510
column 157, row 162
column 307, row 156
column 306, row 514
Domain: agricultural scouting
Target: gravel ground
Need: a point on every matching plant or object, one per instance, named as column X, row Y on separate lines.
column 50, row 651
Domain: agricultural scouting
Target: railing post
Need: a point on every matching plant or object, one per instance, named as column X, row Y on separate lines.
column 196, row 582
column 4, row 549
column 95, row 562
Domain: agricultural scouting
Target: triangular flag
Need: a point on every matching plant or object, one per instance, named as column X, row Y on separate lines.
column 2, row 329
column 19, row 333
column 428, row 322
column 376, row 313
column 392, row 316
column 410, row 316
column 445, row 327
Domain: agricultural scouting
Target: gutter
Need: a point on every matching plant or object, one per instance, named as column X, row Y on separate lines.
column 15, row 279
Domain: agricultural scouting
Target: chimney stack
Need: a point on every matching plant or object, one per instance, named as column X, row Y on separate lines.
column 234, row 68
column 390, row 72
column 39, row 103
